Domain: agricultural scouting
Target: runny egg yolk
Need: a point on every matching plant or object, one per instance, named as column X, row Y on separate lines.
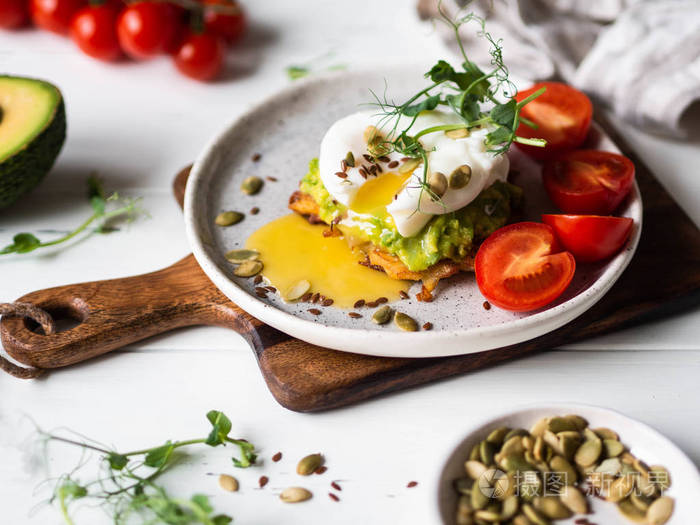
column 292, row 250
column 378, row 192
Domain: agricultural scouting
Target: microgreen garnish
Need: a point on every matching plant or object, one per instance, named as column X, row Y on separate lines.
column 472, row 94
column 127, row 482
column 105, row 210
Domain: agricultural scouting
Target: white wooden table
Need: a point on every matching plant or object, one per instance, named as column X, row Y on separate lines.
column 137, row 124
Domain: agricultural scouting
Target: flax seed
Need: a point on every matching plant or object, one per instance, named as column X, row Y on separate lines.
column 403, row 294
column 343, row 165
column 256, row 157
column 333, row 497
column 354, row 315
column 379, row 168
column 314, row 311
column 271, row 289
column 428, row 326
column 277, row 457
column 487, row 305
column 336, row 486
column 321, row 470
column 263, row 481
column 254, row 210
column 272, row 179
column 372, row 304
column 381, row 300
column 384, row 158
column 341, row 174
column 327, row 302
column 315, row 297
column 359, row 303
column 363, row 172
column 404, row 159
column 306, row 297
column 412, row 484
column 393, row 164
column 368, row 158
column 262, row 294
column 258, row 279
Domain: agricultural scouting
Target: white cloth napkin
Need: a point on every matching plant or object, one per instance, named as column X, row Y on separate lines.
column 639, row 57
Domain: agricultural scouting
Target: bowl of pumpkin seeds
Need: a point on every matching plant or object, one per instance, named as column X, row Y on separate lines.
column 566, row 464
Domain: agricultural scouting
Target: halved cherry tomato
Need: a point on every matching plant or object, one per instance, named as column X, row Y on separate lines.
column 224, row 18
column 562, row 114
column 146, row 29
column 588, row 181
column 55, row 15
column 200, row 56
column 521, row 267
column 94, row 30
column 13, row 13
column 590, row 238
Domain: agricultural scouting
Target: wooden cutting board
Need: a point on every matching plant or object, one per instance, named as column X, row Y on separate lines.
column 663, row 278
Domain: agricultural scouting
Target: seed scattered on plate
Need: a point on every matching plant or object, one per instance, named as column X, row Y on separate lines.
column 271, row 179
column 256, row 157
column 333, row 497
column 248, row 269
column 354, row 315
column 336, row 486
column 295, row 495
column 308, row 464
column 277, row 457
column 241, row 256
column 263, row 481
column 487, row 305
column 428, row 326
column 359, row 303
column 251, row 185
column 228, row 218
column 306, row 297
column 405, row 322
column 381, row 300
column 299, row 290
column 228, row 483
column 411, row 484
column 321, row 470
column 315, row 297
column 254, row 210
column 314, row 311
column 382, row 315
column 258, row 279
column 403, row 294
column 327, row 302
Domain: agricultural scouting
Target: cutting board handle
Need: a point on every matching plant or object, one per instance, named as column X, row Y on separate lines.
column 111, row 314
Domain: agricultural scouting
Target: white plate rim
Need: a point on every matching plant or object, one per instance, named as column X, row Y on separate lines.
column 558, row 408
column 389, row 343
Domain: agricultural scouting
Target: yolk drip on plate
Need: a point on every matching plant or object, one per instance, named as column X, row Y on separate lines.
column 378, row 192
column 291, row 249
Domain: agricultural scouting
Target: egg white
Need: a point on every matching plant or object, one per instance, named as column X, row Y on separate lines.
column 412, row 209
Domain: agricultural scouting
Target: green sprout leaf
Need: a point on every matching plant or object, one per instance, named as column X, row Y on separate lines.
column 221, row 426
column 428, row 104
column 117, row 461
column 159, row 456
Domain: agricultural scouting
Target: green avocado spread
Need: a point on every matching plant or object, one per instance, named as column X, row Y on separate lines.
column 448, row 236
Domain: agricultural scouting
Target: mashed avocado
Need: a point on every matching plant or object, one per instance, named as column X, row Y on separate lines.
column 449, row 236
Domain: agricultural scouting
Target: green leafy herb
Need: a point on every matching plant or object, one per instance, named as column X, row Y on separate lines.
column 105, row 209
column 127, row 483
column 476, row 96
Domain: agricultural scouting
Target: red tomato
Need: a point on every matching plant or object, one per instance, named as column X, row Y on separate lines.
column 201, row 56
column 55, row 15
column 225, row 18
column 588, row 181
column 13, row 13
column 521, row 267
column 590, row 238
column 94, row 30
column 562, row 114
column 146, row 29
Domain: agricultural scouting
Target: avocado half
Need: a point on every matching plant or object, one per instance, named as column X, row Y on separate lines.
column 32, row 132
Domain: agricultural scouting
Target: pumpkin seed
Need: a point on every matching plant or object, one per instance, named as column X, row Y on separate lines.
column 459, row 133
column 551, row 507
column 632, row 513
column 487, row 515
column 251, row 185
column 460, row 177
column 620, row 488
column 640, row 501
column 534, row 516
column 660, row 511
column 295, row 495
column 528, row 442
column 382, row 315
column 610, row 466
column 486, row 452
column 569, row 443
column 298, row 290
column 409, row 166
column 308, row 464
column 371, row 133
column 627, row 458
column 350, row 159
column 640, row 466
column 248, row 269
column 578, row 421
column 475, row 469
column 520, row 519
column 514, row 445
column 516, row 463
column 606, row 433
column 498, row 436
column 560, row 424
column 645, row 486
column 589, row 435
column 474, row 455
column 561, row 465
column 588, row 453
column 438, row 183
column 504, row 487
column 479, row 500
column 539, row 427
column 464, row 512
column 613, row 447
column 228, row 483
column 553, row 441
column 509, row 508
column 405, row 322
column 228, row 218
column 574, row 499
column 240, row 256
column 660, row 477
column 463, row 485
column 538, row 449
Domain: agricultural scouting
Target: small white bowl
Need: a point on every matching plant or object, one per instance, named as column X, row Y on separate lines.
column 642, row 441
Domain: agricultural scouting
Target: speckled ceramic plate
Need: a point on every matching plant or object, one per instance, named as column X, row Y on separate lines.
column 641, row 440
column 286, row 129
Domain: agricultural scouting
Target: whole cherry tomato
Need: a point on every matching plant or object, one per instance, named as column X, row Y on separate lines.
column 94, row 30
column 588, row 181
column 225, row 18
column 146, row 29
column 200, row 56
column 55, row 15
column 590, row 238
column 13, row 13
column 562, row 115
column 521, row 267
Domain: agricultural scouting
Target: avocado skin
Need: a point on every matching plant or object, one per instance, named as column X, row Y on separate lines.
column 21, row 172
